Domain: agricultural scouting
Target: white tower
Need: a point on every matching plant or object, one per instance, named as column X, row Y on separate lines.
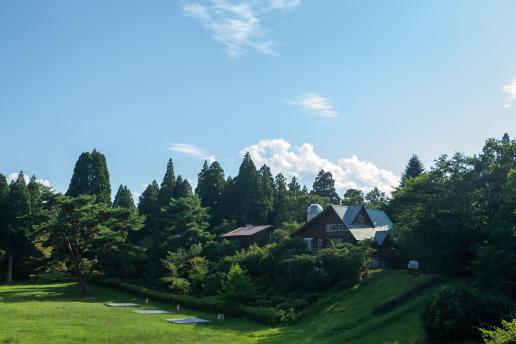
column 312, row 211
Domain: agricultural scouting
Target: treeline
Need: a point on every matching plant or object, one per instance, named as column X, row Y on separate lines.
column 459, row 219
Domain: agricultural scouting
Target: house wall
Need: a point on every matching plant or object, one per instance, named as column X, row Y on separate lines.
column 367, row 219
column 317, row 230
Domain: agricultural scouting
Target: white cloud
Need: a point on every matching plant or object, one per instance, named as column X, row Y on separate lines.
column 14, row 176
column 510, row 89
column 238, row 25
column 316, row 104
column 192, row 150
column 304, row 163
column 505, row 106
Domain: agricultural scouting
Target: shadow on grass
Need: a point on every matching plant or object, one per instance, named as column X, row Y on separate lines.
column 68, row 291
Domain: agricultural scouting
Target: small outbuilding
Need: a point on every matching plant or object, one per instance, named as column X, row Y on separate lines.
column 250, row 234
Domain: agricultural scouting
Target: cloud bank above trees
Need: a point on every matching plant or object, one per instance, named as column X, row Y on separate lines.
column 304, row 163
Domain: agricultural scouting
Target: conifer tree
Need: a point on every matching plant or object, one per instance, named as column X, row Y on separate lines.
column 182, row 188
column 280, row 199
column 35, row 194
column 148, row 201
column 264, row 196
column 324, row 186
column 413, row 169
column 246, row 188
column 16, row 239
column 4, row 199
column 210, row 186
column 91, row 177
column 166, row 191
column 294, row 187
column 124, row 198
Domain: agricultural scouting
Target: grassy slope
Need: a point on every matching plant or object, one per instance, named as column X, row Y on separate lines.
column 57, row 313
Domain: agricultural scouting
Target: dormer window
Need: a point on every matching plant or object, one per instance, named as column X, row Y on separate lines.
column 360, row 219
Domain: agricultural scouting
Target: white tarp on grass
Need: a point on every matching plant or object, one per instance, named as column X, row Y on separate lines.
column 114, row 304
column 193, row 320
column 151, row 311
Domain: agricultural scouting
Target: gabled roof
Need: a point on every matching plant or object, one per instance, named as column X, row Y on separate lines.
column 382, row 223
column 248, row 230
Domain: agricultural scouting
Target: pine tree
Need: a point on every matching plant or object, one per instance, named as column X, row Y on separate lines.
column 35, row 194
column 18, row 223
column 210, row 186
column 265, row 196
column 294, row 187
column 182, row 188
column 4, row 199
column 91, row 177
column 166, row 191
column 148, row 201
column 413, row 169
column 246, row 188
column 324, row 186
column 280, row 199
column 124, row 198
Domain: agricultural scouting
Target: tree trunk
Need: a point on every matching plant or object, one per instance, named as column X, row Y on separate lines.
column 84, row 286
column 10, row 263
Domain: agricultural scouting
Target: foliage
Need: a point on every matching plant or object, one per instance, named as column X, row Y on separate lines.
column 455, row 314
column 324, row 186
column 124, row 198
column 506, row 334
column 91, row 177
column 238, row 285
column 376, row 199
column 79, row 229
column 413, row 169
column 353, row 197
column 166, row 190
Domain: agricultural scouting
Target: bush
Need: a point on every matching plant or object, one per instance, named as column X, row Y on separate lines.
column 456, row 314
column 269, row 316
column 238, row 286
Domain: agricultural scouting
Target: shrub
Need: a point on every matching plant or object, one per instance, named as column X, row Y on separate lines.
column 238, row 286
column 456, row 314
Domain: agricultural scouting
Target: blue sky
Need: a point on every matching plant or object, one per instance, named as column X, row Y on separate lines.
column 354, row 87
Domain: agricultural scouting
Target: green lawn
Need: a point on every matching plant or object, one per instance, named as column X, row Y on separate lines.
column 57, row 313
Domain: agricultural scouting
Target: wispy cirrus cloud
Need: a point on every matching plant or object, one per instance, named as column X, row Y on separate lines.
column 315, row 104
column 238, row 25
column 510, row 89
column 192, row 150
column 304, row 163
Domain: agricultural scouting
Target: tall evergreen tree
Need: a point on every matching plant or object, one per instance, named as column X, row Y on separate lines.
column 376, row 199
column 148, row 202
column 210, row 186
column 4, row 199
column 166, row 191
column 246, row 188
column 91, row 177
column 35, row 194
column 124, row 198
column 280, row 199
column 182, row 188
column 324, row 186
column 16, row 239
column 264, row 195
column 294, row 187
column 413, row 169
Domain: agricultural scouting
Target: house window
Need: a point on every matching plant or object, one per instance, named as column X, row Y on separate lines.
column 320, row 242
column 308, row 242
column 340, row 227
column 331, row 228
column 360, row 219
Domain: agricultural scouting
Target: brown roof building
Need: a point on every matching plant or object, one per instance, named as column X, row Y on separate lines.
column 250, row 234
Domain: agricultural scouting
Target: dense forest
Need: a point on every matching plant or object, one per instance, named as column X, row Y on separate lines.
column 457, row 218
